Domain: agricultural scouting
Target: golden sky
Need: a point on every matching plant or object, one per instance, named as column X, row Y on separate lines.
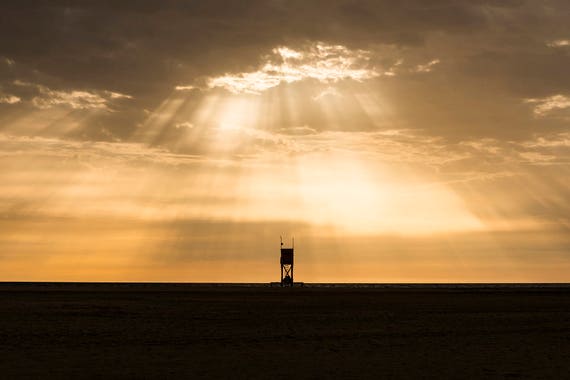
column 176, row 141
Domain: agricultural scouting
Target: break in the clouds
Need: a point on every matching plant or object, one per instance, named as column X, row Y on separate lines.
column 327, row 64
column 324, row 63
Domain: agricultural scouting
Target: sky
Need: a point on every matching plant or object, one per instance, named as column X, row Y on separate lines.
column 406, row 141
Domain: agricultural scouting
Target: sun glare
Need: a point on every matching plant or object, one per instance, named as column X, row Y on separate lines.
column 325, row 184
column 237, row 112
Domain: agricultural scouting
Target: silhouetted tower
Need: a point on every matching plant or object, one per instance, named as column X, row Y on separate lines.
column 287, row 264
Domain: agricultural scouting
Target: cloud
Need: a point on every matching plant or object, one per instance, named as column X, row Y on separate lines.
column 558, row 43
column 321, row 62
column 298, row 131
column 542, row 149
column 117, row 95
column 426, row 68
column 83, row 100
column 327, row 92
column 555, row 141
column 185, row 88
column 94, row 152
column 9, row 99
column 186, row 125
column 73, row 99
column 544, row 106
column 258, row 45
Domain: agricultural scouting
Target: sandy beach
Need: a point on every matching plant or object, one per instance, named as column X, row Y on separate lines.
column 224, row 331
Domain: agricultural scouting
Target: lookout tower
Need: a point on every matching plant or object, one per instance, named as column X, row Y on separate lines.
column 287, row 263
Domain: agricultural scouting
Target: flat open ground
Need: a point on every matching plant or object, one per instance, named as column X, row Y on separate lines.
column 176, row 330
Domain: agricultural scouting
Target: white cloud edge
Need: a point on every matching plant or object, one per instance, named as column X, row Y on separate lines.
column 324, row 63
column 9, row 99
column 76, row 99
column 548, row 104
column 558, row 43
column 327, row 64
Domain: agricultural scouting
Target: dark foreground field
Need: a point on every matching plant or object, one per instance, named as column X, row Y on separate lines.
column 181, row 331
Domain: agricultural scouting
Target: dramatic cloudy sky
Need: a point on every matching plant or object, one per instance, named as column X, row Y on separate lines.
column 417, row 141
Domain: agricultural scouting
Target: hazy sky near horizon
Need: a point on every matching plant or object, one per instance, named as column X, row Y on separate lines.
column 176, row 140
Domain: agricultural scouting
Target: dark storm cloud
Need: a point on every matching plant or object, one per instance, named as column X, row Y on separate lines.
column 493, row 54
column 147, row 44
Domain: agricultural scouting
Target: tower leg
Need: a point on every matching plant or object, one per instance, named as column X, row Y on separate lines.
column 292, row 282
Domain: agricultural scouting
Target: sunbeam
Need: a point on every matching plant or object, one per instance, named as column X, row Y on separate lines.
column 330, row 142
